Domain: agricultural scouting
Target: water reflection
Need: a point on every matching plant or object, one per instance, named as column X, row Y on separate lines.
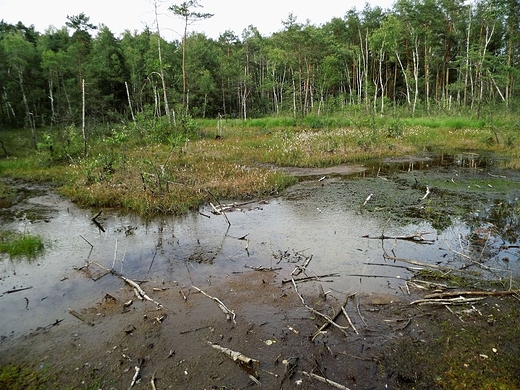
column 324, row 219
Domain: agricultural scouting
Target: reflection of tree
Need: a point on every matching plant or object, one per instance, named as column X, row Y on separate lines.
column 503, row 216
column 494, row 229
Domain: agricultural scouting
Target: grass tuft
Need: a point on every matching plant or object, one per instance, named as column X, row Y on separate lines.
column 20, row 245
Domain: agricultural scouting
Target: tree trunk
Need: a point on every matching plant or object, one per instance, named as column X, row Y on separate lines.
column 28, row 112
column 83, row 117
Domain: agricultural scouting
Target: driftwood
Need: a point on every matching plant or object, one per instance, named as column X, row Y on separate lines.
column 325, row 380
column 230, row 314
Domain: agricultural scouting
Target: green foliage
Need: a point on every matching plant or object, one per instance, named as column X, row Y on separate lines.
column 303, row 74
column 395, row 129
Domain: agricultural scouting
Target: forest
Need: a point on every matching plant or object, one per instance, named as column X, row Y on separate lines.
column 419, row 56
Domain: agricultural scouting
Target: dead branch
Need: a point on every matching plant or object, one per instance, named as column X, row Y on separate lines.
column 325, row 380
column 15, row 290
column 347, row 316
column 80, row 317
column 152, row 382
column 236, row 356
column 446, row 301
column 221, row 211
column 470, row 293
column 314, row 311
column 416, row 237
column 411, row 269
column 141, row 292
column 195, row 329
column 419, row 263
column 359, row 312
column 334, row 318
column 367, row 199
column 299, row 269
column 96, row 222
column 325, row 325
column 183, row 295
column 230, row 314
column 308, row 278
column 427, row 193
column 261, row 268
column 136, row 376
column 92, row 246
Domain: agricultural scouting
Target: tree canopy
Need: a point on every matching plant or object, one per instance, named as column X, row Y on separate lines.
column 419, row 55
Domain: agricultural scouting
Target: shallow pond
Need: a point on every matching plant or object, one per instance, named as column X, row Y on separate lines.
column 465, row 208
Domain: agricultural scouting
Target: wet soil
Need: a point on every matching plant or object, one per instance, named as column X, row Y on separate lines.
column 395, row 345
column 389, row 342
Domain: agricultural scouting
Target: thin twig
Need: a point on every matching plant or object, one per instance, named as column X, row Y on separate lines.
column 325, row 380
column 230, row 314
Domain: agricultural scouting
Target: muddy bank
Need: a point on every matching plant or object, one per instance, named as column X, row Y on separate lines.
column 457, row 222
column 388, row 343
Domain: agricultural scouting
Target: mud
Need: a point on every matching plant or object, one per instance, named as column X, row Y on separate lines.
column 470, row 213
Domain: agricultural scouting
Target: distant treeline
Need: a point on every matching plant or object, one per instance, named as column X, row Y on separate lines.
column 420, row 55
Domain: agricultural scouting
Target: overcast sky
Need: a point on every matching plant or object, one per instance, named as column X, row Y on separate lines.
column 234, row 15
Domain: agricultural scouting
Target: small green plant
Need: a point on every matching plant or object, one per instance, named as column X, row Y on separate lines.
column 19, row 244
column 395, row 129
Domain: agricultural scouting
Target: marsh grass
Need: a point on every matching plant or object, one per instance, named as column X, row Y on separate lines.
column 20, row 245
column 159, row 170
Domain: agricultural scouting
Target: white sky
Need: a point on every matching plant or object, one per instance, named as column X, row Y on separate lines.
column 234, row 15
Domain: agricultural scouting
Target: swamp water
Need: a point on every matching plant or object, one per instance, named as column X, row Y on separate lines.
column 465, row 208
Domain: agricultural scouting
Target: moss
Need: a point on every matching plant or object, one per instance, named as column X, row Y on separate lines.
column 471, row 347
